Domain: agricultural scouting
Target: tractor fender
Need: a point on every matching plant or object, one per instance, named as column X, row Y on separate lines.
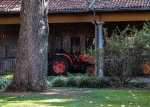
column 70, row 57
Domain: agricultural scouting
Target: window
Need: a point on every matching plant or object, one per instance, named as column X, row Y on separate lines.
column 90, row 43
column 75, row 45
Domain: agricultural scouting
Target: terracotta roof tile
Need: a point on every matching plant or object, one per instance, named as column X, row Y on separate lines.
column 55, row 5
column 67, row 5
column 10, row 5
column 120, row 4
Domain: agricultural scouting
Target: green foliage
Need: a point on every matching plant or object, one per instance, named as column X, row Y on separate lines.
column 4, row 82
column 78, row 80
column 7, row 76
column 59, row 81
column 71, row 81
column 93, row 82
column 138, row 85
column 125, row 51
column 84, row 82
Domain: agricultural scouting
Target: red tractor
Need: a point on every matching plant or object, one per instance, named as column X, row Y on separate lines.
column 63, row 63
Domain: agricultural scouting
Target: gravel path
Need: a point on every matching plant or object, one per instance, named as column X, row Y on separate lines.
column 144, row 79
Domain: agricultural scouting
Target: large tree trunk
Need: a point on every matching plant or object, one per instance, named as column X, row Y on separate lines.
column 31, row 66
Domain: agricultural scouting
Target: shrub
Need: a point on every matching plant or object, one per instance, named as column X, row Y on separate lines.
column 4, row 82
column 71, row 82
column 125, row 52
column 96, row 82
column 50, row 80
column 99, row 82
column 139, row 85
column 78, row 80
column 59, row 81
column 84, row 82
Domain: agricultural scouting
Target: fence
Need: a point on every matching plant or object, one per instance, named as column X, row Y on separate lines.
column 7, row 66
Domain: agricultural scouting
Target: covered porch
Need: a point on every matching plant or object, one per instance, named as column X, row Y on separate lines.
column 75, row 38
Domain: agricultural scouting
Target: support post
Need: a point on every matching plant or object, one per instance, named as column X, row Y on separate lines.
column 99, row 45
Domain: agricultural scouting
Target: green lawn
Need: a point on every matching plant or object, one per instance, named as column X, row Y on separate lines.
column 77, row 97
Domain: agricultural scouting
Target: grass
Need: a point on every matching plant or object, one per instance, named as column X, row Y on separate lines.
column 78, row 97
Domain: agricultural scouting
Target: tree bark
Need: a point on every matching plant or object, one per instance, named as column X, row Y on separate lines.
column 31, row 66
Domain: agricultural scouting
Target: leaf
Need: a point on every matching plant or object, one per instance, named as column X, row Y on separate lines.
column 107, row 97
column 101, row 105
column 22, row 96
column 109, row 105
column 91, row 102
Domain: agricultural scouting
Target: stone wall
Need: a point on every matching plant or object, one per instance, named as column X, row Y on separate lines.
column 9, row 35
column 82, row 30
column 67, row 31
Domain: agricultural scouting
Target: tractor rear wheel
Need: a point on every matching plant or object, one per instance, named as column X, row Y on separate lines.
column 90, row 70
column 59, row 66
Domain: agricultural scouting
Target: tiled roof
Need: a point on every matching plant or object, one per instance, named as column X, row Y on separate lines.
column 120, row 4
column 10, row 5
column 77, row 5
column 55, row 5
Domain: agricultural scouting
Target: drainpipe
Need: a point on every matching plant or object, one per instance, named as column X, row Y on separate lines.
column 90, row 6
column 98, row 43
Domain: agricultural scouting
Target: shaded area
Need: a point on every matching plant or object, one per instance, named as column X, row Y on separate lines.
column 78, row 97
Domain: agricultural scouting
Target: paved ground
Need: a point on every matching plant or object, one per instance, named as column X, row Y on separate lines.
column 142, row 79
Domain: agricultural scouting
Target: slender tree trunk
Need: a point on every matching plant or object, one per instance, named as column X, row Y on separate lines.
column 31, row 66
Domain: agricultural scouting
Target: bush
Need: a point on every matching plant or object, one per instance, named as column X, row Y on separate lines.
column 50, row 80
column 78, row 80
column 4, row 82
column 126, row 51
column 71, row 82
column 138, row 85
column 59, row 81
column 84, row 82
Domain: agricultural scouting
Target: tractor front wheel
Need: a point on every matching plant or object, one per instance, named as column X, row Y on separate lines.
column 59, row 66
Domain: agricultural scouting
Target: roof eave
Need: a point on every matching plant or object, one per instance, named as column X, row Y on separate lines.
column 6, row 13
column 53, row 11
column 122, row 9
column 67, row 11
column 99, row 10
column 85, row 11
